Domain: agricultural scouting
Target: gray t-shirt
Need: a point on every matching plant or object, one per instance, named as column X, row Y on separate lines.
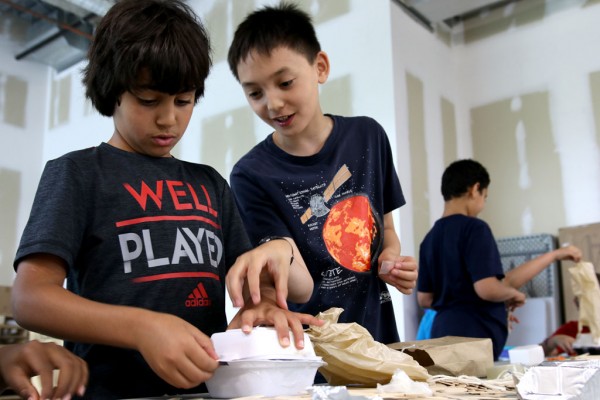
column 156, row 233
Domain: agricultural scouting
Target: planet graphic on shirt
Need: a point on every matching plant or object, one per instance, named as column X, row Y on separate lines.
column 348, row 233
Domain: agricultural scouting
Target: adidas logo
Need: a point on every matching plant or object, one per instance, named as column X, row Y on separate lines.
column 198, row 297
column 385, row 297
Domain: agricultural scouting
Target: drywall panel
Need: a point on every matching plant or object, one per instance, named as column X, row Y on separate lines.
column 449, row 131
column 221, row 26
column 416, row 132
column 13, row 100
column 595, row 91
column 326, row 10
column 513, row 139
column 10, row 193
column 226, row 138
column 60, row 101
column 336, row 96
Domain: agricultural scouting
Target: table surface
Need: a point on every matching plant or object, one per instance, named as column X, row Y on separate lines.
column 443, row 387
column 458, row 388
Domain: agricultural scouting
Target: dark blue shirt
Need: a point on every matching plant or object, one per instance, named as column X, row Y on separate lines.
column 457, row 252
column 332, row 204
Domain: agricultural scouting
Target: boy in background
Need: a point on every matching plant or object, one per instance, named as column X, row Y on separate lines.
column 20, row 362
column 145, row 240
column 461, row 275
column 324, row 183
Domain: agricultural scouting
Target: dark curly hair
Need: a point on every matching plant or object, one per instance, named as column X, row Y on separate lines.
column 271, row 27
column 161, row 40
column 460, row 175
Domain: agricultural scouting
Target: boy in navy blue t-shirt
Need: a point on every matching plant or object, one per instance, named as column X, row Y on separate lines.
column 325, row 183
column 461, row 275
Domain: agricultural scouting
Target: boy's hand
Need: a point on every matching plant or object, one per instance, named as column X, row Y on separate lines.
column 176, row 350
column 273, row 256
column 568, row 252
column 512, row 320
column 20, row 362
column 267, row 312
column 401, row 273
column 517, row 300
column 558, row 344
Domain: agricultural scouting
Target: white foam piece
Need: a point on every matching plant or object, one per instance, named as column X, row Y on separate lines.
column 526, row 355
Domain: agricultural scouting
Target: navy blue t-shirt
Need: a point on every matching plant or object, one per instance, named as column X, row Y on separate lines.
column 332, row 204
column 457, row 252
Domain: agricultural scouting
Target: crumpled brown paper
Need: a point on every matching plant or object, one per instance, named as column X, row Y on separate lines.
column 354, row 357
column 586, row 288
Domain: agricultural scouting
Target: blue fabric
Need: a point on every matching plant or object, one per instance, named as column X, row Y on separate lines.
column 424, row 331
column 457, row 252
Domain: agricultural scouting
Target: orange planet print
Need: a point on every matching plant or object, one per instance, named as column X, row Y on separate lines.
column 348, row 233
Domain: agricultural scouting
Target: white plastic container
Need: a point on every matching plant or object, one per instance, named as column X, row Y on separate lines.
column 256, row 364
column 263, row 377
column 261, row 343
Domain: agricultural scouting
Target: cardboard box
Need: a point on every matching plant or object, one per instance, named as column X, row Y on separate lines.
column 587, row 238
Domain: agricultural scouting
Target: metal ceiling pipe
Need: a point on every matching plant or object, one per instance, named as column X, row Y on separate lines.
column 98, row 7
column 60, row 24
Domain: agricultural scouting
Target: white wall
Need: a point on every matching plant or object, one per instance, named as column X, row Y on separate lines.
column 556, row 55
column 21, row 148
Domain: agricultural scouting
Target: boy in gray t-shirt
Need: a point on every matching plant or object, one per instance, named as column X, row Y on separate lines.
column 146, row 242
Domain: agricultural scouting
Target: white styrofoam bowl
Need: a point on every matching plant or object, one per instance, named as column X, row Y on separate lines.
column 243, row 378
column 256, row 364
column 261, row 343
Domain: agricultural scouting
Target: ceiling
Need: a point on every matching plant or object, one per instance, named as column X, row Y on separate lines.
column 445, row 14
column 59, row 31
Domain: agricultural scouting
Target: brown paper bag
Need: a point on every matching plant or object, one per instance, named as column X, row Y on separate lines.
column 585, row 286
column 451, row 355
column 354, row 357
